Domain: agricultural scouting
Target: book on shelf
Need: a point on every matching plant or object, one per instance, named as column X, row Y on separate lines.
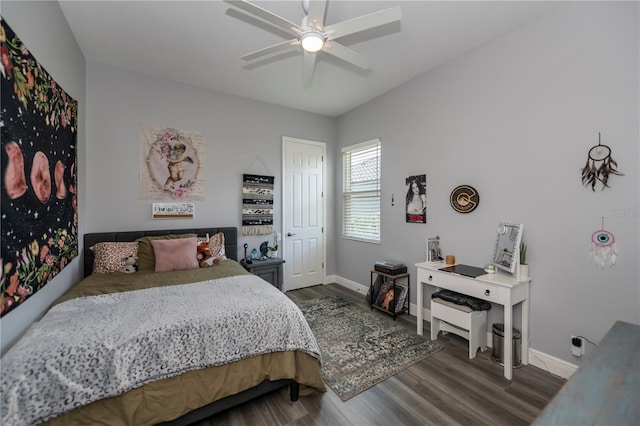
column 391, row 300
column 402, row 298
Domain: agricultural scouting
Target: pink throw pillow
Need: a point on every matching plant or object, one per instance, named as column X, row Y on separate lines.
column 175, row 255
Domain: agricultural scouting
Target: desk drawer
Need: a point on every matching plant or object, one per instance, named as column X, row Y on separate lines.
column 469, row 286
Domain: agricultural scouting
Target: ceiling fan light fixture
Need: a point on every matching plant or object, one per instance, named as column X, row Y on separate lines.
column 312, row 41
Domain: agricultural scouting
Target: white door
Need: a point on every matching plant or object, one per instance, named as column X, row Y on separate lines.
column 303, row 211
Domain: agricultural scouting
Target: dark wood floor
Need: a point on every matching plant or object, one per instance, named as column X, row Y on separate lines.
column 446, row 388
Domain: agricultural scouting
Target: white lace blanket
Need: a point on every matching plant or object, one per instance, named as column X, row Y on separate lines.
column 95, row 347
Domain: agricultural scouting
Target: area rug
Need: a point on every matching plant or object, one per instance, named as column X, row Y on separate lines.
column 360, row 348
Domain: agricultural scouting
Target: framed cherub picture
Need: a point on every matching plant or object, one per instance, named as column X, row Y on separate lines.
column 172, row 164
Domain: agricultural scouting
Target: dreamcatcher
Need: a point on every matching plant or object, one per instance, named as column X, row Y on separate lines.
column 603, row 247
column 591, row 173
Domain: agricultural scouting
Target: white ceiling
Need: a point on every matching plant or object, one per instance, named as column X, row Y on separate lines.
column 200, row 43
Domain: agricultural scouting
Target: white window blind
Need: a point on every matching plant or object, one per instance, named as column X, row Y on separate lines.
column 361, row 191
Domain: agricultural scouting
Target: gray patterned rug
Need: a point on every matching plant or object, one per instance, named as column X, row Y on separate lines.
column 360, row 348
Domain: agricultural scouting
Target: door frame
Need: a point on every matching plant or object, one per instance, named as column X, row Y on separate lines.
column 323, row 145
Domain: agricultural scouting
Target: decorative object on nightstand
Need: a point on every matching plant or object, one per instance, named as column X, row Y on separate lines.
column 268, row 269
column 273, row 251
column 264, row 250
column 246, row 259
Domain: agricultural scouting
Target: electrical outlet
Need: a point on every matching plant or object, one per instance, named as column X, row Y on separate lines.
column 577, row 345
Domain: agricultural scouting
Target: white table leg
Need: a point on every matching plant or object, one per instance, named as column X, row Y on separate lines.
column 419, row 314
column 508, row 340
column 525, row 331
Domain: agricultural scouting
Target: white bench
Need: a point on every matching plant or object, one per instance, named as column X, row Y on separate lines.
column 460, row 320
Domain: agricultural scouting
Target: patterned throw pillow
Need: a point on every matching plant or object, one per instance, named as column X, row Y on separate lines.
column 214, row 251
column 108, row 256
column 216, row 245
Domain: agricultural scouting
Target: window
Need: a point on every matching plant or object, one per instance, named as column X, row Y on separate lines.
column 361, row 191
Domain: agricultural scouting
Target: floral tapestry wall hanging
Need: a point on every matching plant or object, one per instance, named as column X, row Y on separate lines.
column 173, row 164
column 257, row 204
column 39, row 165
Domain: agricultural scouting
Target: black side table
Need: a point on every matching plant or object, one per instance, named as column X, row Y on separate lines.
column 393, row 278
column 269, row 270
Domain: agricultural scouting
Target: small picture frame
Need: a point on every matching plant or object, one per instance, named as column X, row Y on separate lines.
column 434, row 253
column 172, row 210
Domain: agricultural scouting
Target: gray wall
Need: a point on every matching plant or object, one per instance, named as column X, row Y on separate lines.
column 240, row 134
column 515, row 119
column 44, row 30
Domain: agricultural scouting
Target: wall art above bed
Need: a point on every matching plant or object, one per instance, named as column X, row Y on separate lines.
column 257, row 204
column 172, row 164
column 39, row 180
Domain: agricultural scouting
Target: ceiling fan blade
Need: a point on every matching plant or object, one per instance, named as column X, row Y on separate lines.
column 363, row 22
column 268, row 16
column 276, row 48
column 346, row 54
column 315, row 15
column 309, row 66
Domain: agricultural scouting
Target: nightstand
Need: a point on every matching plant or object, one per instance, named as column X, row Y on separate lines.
column 269, row 270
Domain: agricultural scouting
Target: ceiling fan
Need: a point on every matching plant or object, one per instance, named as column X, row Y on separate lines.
column 314, row 36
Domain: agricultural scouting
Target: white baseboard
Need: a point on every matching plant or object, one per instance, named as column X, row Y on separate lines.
column 351, row 285
column 538, row 359
column 551, row 364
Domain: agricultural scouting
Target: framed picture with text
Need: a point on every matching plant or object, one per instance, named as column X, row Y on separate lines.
column 416, row 200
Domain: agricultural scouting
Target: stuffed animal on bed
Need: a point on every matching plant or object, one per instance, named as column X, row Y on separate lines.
column 204, row 255
column 130, row 264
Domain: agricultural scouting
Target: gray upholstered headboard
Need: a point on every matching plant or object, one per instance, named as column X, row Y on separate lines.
column 230, row 240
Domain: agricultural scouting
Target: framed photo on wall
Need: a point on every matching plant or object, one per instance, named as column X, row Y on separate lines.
column 416, row 200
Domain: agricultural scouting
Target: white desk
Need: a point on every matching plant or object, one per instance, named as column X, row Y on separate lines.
column 497, row 288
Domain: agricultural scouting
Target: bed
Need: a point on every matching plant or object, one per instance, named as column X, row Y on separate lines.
column 151, row 347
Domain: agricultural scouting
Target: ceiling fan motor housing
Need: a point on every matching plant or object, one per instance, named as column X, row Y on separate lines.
column 312, row 40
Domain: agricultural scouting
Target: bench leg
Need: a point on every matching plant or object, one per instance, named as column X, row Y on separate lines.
column 478, row 335
column 435, row 328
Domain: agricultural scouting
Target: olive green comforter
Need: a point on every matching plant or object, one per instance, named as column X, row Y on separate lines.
column 167, row 399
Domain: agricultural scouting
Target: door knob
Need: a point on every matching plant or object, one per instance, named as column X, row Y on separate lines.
column 487, row 292
column 289, row 234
